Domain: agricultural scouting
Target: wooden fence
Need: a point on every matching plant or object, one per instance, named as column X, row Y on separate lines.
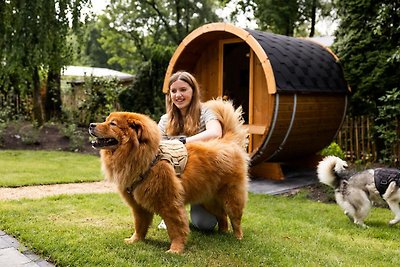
column 355, row 139
column 12, row 105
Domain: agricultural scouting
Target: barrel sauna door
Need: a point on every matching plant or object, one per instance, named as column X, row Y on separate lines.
column 236, row 69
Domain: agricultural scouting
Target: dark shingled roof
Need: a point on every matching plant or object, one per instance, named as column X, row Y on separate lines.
column 301, row 66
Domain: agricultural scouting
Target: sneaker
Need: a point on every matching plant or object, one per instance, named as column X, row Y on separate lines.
column 162, row 225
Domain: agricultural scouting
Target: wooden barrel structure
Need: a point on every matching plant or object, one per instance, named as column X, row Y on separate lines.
column 292, row 90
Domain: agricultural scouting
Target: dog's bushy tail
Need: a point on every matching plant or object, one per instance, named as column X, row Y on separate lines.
column 329, row 171
column 231, row 120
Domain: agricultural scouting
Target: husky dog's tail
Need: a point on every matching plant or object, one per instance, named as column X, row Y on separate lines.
column 330, row 171
column 231, row 120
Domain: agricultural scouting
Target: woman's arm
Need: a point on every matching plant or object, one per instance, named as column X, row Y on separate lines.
column 213, row 131
column 162, row 125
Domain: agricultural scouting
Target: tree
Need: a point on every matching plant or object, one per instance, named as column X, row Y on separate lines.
column 292, row 17
column 141, row 37
column 145, row 95
column 34, row 47
column 87, row 49
column 367, row 42
column 132, row 28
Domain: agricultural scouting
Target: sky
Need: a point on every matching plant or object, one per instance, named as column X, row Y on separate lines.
column 324, row 27
column 99, row 5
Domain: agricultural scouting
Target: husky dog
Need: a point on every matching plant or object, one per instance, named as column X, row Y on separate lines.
column 355, row 193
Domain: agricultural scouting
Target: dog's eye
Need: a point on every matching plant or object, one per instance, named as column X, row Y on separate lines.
column 113, row 123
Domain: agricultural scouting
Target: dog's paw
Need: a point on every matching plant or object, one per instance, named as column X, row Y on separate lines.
column 176, row 249
column 349, row 216
column 172, row 251
column 131, row 240
column 361, row 224
column 238, row 235
column 394, row 221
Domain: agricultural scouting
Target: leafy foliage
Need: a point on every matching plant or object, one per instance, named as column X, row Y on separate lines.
column 145, row 95
column 71, row 132
column 133, row 29
column 141, row 37
column 293, row 17
column 86, row 48
column 368, row 45
column 100, row 97
column 90, row 101
column 333, row 150
column 388, row 127
column 33, row 47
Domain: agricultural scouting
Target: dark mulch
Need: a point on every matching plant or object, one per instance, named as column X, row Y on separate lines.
column 22, row 135
column 320, row 193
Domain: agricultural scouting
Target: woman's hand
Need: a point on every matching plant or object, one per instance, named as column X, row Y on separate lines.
column 213, row 131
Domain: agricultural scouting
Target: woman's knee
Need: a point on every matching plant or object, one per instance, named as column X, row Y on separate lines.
column 202, row 219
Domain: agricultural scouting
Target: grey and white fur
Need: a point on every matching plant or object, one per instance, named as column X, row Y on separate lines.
column 356, row 193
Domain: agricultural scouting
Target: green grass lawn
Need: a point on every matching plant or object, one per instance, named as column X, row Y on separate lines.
column 24, row 167
column 88, row 230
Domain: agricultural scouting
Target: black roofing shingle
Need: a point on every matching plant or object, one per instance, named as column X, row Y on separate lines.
column 301, row 65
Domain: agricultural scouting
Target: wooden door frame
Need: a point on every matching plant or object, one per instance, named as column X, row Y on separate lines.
column 251, row 82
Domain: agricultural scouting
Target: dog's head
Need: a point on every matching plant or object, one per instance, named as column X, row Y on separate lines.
column 121, row 128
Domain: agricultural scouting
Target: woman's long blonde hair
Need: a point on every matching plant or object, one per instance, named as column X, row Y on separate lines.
column 177, row 124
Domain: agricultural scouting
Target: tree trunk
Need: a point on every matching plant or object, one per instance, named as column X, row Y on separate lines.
column 37, row 101
column 52, row 105
column 313, row 17
column 289, row 28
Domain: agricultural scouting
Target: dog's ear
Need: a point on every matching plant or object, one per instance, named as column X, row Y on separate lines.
column 133, row 125
column 137, row 128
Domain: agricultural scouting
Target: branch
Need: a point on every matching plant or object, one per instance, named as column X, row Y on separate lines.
column 164, row 21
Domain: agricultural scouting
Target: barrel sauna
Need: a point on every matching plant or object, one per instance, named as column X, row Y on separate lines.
column 292, row 90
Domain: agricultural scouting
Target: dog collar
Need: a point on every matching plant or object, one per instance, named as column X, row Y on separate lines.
column 142, row 176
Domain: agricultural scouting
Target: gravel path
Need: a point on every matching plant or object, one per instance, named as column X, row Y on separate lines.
column 56, row 189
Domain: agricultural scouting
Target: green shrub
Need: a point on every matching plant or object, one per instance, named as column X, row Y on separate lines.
column 387, row 125
column 74, row 135
column 93, row 101
column 3, row 127
column 29, row 134
column 333, row 150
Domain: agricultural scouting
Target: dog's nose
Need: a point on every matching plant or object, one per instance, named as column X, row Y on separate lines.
column 92, row 126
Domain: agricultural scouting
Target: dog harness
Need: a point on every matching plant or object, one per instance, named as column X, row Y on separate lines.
column 172, row 151
column 175, row 153
column 384, row 176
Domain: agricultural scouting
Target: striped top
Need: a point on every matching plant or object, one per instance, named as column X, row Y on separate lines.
column 205, row 116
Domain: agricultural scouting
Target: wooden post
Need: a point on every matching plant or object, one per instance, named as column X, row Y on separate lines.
column 267, row 170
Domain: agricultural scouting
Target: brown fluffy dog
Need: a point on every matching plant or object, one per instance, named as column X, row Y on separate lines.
column 215, row 174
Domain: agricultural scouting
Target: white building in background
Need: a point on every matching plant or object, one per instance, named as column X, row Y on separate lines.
column 76, row 74
column 73, row 81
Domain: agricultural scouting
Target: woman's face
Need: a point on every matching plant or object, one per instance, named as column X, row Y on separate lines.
column 181, row 95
